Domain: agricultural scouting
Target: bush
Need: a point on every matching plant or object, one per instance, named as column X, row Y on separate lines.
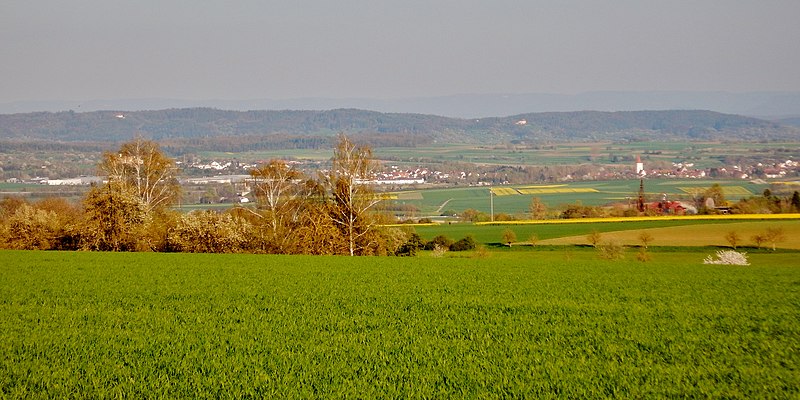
column 208, row 232
column 441, row 241
column 411, row 246
column 728, row 257
column 467, row 243
column 594, row 238
column 611, row 251
column 438, row 251
column 643, row 255
column 481, row 252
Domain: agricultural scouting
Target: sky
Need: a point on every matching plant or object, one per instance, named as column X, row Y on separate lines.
column 264, row 49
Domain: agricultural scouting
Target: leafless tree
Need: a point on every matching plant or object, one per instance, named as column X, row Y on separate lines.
column 142, row 168
column 352, row 195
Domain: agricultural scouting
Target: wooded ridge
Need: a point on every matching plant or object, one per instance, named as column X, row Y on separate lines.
column 288, row 129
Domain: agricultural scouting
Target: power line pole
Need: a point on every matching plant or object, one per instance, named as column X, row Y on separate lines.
column 491, row 203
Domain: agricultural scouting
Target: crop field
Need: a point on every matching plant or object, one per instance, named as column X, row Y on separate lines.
column 665, row 231
column 728, row 191
column 530, row 324
column 702, row 154
column 696, row 235
column 539, row 190
column 516, row 199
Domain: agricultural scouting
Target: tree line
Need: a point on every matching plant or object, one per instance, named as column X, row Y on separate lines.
column 332, row 213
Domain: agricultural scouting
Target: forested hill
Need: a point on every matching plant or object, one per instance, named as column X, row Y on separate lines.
column 235, row 130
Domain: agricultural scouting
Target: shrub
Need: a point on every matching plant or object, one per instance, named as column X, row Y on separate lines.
column 728, row 257
column 643, row 255
column 481, row 252
column 441, row 241
column 411, row 246
column 438, row 251
column 611, row 251
column 594, row 238
column 208, row 232
column 466, row 243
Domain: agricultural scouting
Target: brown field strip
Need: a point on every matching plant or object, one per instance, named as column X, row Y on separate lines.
column 696, row 235
column 726, row 190
column 408, row 195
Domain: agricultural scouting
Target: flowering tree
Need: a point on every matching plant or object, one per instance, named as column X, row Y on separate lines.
column 728, row 257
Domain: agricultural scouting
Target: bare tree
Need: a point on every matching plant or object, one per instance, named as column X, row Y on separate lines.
column 533, row 239
column 537, row 209
column 141, row 168
column 645, row 238
column 733, row 238
column 758, row 239
column 774, row 236
column 277, row 190
column 509, row 237
column 347, row 181
column 594, row 238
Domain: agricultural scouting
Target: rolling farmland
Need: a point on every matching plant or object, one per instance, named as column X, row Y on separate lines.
column 517, row 198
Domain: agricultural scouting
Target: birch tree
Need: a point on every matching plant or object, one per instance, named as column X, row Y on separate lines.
column 352, row 197
column 141, row 168
column 278, row 193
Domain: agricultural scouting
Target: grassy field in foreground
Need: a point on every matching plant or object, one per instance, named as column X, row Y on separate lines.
column 518, row 324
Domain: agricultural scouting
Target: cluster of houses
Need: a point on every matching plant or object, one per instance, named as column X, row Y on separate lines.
column 776, row 170
column 79, row 181
column 235, row 172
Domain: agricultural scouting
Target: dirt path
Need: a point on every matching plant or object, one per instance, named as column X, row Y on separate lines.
column 441, row 207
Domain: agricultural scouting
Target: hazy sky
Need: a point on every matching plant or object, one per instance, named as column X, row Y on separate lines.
column 105, row 49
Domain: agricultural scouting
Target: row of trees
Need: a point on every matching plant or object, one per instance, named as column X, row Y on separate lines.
column 332, row 213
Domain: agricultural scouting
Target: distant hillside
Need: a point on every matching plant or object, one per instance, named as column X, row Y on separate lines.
column 235, row 130
column 753, row 104
column 789, row 121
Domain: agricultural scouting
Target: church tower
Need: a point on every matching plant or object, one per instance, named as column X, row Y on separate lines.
column 639, row 166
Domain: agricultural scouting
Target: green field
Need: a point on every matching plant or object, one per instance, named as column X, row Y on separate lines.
column 701, row 154
column 666, row 232
column 531, row 324
column 516, row 199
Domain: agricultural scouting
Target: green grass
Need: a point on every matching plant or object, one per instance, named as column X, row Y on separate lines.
column 488, row 234
column 545, row 324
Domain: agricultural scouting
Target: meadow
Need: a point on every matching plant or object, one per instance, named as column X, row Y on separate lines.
column 666, row 231
column 518, row 324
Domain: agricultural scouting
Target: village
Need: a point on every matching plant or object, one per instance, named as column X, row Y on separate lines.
column 394, row 175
